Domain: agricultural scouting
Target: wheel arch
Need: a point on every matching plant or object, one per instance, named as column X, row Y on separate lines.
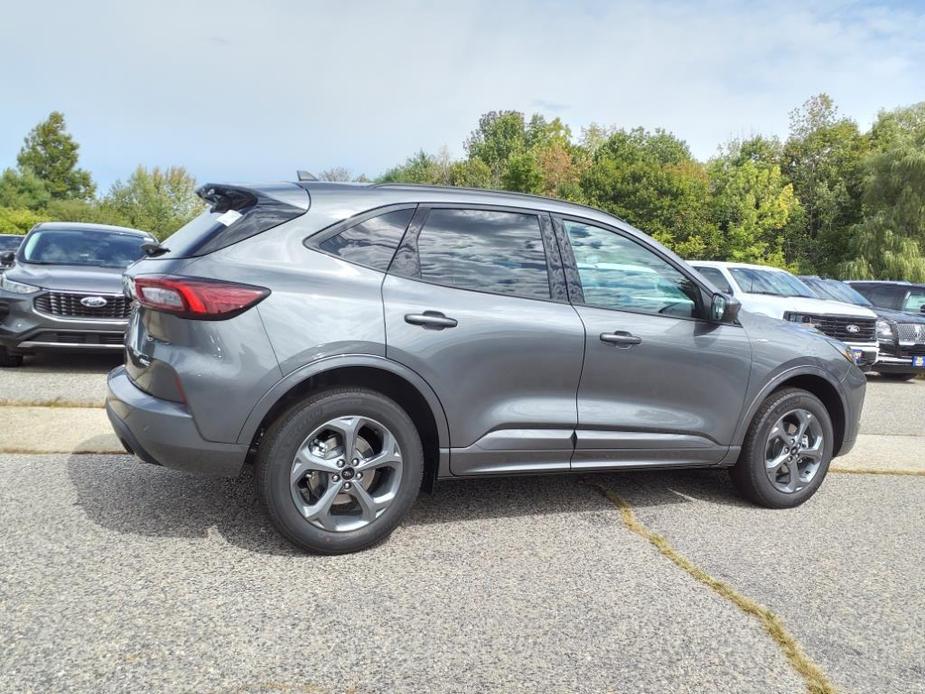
column 813, row 380
column 385, row 376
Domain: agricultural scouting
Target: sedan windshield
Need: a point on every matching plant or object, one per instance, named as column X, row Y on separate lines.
column 775, row 282
column 81, row 247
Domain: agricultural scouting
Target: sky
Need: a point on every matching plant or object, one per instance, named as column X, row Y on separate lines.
column 253, row 90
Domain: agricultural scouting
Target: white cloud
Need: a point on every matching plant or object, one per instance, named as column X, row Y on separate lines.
column 241, row 90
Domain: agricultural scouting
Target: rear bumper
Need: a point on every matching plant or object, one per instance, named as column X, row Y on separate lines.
column 164, row 433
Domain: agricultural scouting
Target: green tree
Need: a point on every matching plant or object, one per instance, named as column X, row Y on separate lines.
column 823, row 159
column 752, row 203
column 499, row 136
column 889, row 242
column 155, row 200
column 651, row 180
column 23, row 190
column 19, row 221
column 51, row 154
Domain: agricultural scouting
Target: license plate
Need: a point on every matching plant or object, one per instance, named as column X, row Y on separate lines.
column 858, row 356
column 918, row 361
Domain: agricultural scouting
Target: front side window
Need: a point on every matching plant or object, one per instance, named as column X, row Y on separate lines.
column 620, row 274
column 716, row 277
column 81, row 247
column 915, row 301
column 485, row 250
column 371, row 242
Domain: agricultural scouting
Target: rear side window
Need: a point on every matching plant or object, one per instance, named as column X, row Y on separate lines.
column 716, row 277
column 485, row 250
column 371, row 242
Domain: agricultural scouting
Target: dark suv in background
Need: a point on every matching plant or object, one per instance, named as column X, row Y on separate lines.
column 903, row 356
column 65, row 289
column 360, row 341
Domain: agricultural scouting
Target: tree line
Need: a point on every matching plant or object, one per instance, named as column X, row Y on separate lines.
column 830, row 199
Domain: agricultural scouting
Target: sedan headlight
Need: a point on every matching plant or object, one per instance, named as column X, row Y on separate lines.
column 885, row 330
column 17, row 287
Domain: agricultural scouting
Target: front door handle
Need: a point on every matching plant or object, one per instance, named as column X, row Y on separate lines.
column 433, row 320
column 621, row 338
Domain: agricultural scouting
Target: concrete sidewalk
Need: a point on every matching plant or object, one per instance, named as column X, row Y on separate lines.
column 56, row 430
column 29, row 429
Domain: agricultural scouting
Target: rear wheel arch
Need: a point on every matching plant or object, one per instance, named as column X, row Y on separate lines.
column 408, row 390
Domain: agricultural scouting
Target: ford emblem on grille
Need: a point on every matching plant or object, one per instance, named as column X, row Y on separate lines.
column 93, row 301
column 852, row 328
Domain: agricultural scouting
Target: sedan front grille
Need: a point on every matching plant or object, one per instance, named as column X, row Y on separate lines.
column 69, row 305
column 911, row 333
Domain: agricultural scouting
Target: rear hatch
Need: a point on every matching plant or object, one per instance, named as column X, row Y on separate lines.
column 178, row 316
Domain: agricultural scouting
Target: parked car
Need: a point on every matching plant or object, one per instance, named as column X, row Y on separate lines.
column 779, row 294
column 65, row 290
column 903, row 305
column 358, row 342
column 8, row 243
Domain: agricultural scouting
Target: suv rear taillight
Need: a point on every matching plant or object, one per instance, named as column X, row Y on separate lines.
column 194, row 297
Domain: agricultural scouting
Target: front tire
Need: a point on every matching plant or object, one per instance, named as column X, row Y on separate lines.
column 8, row 360
column 340, row 470
column 787, row 450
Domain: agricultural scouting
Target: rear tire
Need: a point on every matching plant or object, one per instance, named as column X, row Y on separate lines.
column 780, row 467
column 8, row 360
column 325, row 498
column 897, row 376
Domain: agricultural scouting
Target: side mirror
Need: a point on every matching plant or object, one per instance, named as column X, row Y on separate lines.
column 922, row 308
column 7, row 258
column 724, row 309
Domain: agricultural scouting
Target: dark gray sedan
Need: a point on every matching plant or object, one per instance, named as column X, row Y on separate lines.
column 64, row 289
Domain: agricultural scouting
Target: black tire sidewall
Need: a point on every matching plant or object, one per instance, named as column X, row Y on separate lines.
column 278, row 449
column 750, row 473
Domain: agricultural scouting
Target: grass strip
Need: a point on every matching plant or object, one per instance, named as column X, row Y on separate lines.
column 878, row 471
column 816, row 681
column 57, row 402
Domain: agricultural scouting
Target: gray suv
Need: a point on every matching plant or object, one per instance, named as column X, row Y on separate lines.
column 63, row 289
column 360, row 342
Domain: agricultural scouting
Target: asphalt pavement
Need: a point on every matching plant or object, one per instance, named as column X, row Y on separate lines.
column 116, row 575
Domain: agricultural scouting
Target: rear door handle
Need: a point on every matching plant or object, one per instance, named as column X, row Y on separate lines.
column 621, row 338
column 433, row 320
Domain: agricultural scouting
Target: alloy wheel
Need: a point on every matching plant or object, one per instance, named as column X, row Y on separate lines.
column 794, row 450
column 346, row 473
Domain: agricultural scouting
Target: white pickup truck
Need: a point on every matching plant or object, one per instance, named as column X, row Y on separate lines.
column 776, row 293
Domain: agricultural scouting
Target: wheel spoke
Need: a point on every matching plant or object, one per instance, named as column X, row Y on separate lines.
column 389, row 456
column 306, row 461
column 369, row 507
column 348, row 428
column 774, row 464
column 777, row 432
column 814, row 453
column 794, row 469
column 321, row 510
column 805, row 419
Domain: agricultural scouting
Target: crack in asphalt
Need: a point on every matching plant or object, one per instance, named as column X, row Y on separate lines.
column 816, row 681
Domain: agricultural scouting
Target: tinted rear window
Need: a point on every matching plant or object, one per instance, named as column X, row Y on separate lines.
column 371, row 242
column 485, row 250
